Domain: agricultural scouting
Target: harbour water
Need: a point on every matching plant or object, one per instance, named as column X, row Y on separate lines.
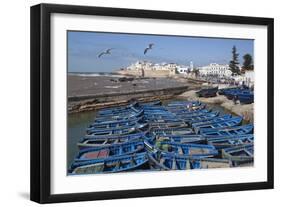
column 77, row 123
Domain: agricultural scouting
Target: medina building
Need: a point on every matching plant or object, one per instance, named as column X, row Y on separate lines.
column 215, row 69
column 184, row 69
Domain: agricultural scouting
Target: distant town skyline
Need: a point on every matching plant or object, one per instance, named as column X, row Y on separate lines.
column 84, row 48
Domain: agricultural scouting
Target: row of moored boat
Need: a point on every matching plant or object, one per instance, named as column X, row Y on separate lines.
column 181, row 135
column 242, row 94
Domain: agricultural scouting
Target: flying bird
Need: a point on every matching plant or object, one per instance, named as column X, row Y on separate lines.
column 148, row 48
column 106, row 52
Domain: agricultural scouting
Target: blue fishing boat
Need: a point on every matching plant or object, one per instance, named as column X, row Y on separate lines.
column 222, row 91
column 162, row 120
column 233, row 93
column 206, row 163
column 156, row 110
column 150, row 117
column 207, row 92
column 174, row 124
column 244, row 129
column 174, row 162
column 136, row 125
column 155, row 113
column 117, row 123
column 110, row 165
column 231, row 141
column 199, row 117
column 244, row 98
column 116, row 110
column 182, row 135
column 120, row 117
column 91, row 142
column 239, row 155
column 171, row 131
column 211, row 119
column 192, row 113
column 117, row 131
column 182, row 139
column 109, row 151
column 125, row 112
column 234, row 121
column 188, row 111
column 190, row 150
column 185, row 109
column 183, row 103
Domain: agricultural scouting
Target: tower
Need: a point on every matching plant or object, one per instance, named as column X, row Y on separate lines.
column 191, row 66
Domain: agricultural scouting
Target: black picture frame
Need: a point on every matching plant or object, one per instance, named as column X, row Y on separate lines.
column 41, row 96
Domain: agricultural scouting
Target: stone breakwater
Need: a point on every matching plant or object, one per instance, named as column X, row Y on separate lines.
column 94, row 102
column 247, row 110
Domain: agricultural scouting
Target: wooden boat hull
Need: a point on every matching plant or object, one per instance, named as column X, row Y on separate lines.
column 120, row 123
column 191, row 119
column 208, row 163
column 120, row 117
column 113, row 130
column 109, row 151
column 218, row 124
column 110, row 165
column 245, row 99
column 239, row 155
column 211, row 120
column 190, row 150
column 117, row 131
column 210, row 92
column 174, row 162
column 171, row 131
column 89, row 142
column 183, row 139
column 231, row 141
column 245, row 129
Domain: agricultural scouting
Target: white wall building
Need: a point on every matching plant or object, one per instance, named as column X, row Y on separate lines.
column 182, row 69
column 145, row 65
column 215, row 69
column 246, row 79
column 172, row 67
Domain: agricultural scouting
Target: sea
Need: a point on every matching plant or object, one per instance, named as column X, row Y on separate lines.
column 96, row 74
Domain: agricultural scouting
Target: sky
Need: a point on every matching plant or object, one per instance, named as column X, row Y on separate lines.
column 84, row 48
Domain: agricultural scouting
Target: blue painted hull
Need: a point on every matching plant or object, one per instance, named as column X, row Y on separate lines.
column 110, row 165
column 245, row 129
column 231, row 122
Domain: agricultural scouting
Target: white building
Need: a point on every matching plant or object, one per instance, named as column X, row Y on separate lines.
column 145, row 65
column 172, row 67
column 215, row 69
column 182, row 69
column 245, row 79
column 139, row 65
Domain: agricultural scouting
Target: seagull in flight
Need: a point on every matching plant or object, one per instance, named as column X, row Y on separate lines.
column 148, row 48
column 106, row 52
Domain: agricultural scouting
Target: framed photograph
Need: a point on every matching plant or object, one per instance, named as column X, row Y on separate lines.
column 132, row 103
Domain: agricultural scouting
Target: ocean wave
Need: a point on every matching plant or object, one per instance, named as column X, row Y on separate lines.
column 96, row 75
